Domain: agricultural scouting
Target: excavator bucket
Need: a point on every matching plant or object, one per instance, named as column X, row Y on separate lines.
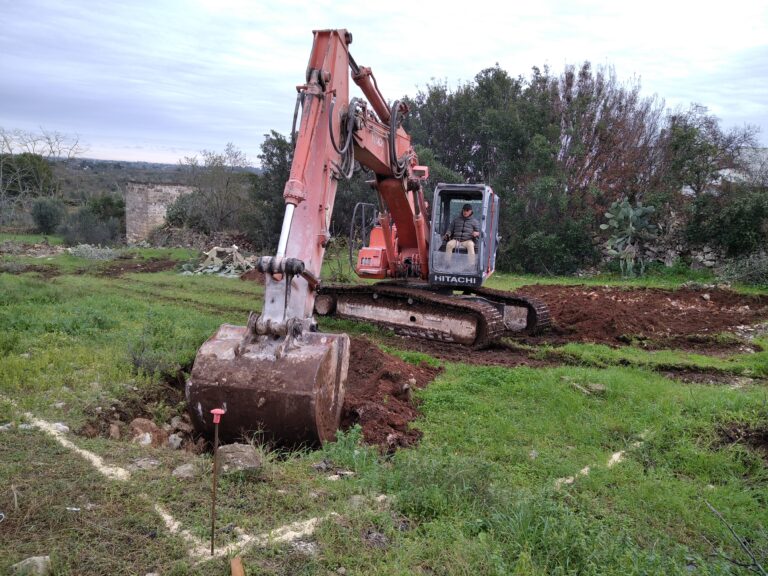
column 290, row 389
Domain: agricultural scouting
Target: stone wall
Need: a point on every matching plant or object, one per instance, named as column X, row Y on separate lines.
column 145, row 207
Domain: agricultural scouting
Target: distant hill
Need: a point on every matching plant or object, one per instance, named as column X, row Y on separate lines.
column 84, row 178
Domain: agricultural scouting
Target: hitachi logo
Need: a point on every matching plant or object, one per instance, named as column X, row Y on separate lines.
column 455, row 279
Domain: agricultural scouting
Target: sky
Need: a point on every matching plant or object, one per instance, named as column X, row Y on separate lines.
column 162, row 79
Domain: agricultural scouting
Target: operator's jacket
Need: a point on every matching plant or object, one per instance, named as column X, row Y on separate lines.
column 461, row 228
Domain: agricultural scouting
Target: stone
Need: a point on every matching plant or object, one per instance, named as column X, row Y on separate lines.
column 238, row 458
column 185, row 471
column 179, row 424
column 175, row 441
column 375, row 539
column 61, row 427
column 706, row 297
column 144, row 439
column 595, row 388
column 146, row 205
column 308, row 548
column 6, row 427
column 141, row 429
column 323, row 466
column 145, row 464
column 33, row 566
column 59, row 405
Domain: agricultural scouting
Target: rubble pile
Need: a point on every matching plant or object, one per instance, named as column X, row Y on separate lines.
column 226, row 262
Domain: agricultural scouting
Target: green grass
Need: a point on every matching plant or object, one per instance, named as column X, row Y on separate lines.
column 30, row 238
column 746, row 364
column 506, row 281
column 478, row 495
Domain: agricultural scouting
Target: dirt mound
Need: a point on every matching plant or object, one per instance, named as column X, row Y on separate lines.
column 120, row 267
column 379, row 395
column 45, row 271
column 614, row 316
column 254, row 276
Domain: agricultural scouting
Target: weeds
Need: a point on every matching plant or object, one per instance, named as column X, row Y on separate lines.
column 89, row 252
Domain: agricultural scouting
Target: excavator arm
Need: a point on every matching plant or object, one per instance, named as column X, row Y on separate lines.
column 278, row 375
column 334, row 133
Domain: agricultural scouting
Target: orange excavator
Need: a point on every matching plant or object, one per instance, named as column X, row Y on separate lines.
column 279, row 375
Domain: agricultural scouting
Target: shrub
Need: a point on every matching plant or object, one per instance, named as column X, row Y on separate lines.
column 752, row 269
column 85, row 227
column 47, row 214
column 93, row 252
column 108, row 207
column 559, row 251
column 188, row 211
column 735, row 220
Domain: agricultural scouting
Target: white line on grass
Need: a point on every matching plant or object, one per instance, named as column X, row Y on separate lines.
column 111, row 472
column 616, row 458
column 196, row 548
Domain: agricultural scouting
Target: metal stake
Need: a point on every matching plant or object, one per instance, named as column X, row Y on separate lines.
column 217, row 414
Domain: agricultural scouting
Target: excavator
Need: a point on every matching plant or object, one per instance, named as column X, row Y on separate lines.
column 278, row 375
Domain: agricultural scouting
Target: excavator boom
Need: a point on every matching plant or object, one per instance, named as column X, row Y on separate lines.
column 278, row 375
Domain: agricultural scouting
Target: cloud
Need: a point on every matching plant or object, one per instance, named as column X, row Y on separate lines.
column 178, row 75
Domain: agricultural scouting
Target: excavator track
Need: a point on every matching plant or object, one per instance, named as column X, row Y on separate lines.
column 537, row 318
column 415, row 312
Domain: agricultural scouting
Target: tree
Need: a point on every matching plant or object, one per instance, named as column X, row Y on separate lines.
column 25, row 168
column 264, row 217
column 698, row 149
column 221, row 185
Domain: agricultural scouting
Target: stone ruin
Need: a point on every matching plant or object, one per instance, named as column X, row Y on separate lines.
column 146, row 205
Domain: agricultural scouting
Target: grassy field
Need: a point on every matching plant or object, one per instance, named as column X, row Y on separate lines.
column 597, row 464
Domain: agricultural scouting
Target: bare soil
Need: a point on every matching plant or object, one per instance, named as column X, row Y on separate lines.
column 662, row 318
column 253, row 276
column 754, row 437
column 45, row 271
column 379, row 395
column 120, row 267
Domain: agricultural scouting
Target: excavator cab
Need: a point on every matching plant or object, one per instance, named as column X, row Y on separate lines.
column 459, row 268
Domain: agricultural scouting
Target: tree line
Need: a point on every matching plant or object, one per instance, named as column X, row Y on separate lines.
column 561, row 150
column 566, row 153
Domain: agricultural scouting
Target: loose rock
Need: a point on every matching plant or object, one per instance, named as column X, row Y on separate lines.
column 238, row 458
column 179, row 424
column 185, row 471
column 175, row 441
column 146, row 432
column 34, row 566
column 145, row 464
